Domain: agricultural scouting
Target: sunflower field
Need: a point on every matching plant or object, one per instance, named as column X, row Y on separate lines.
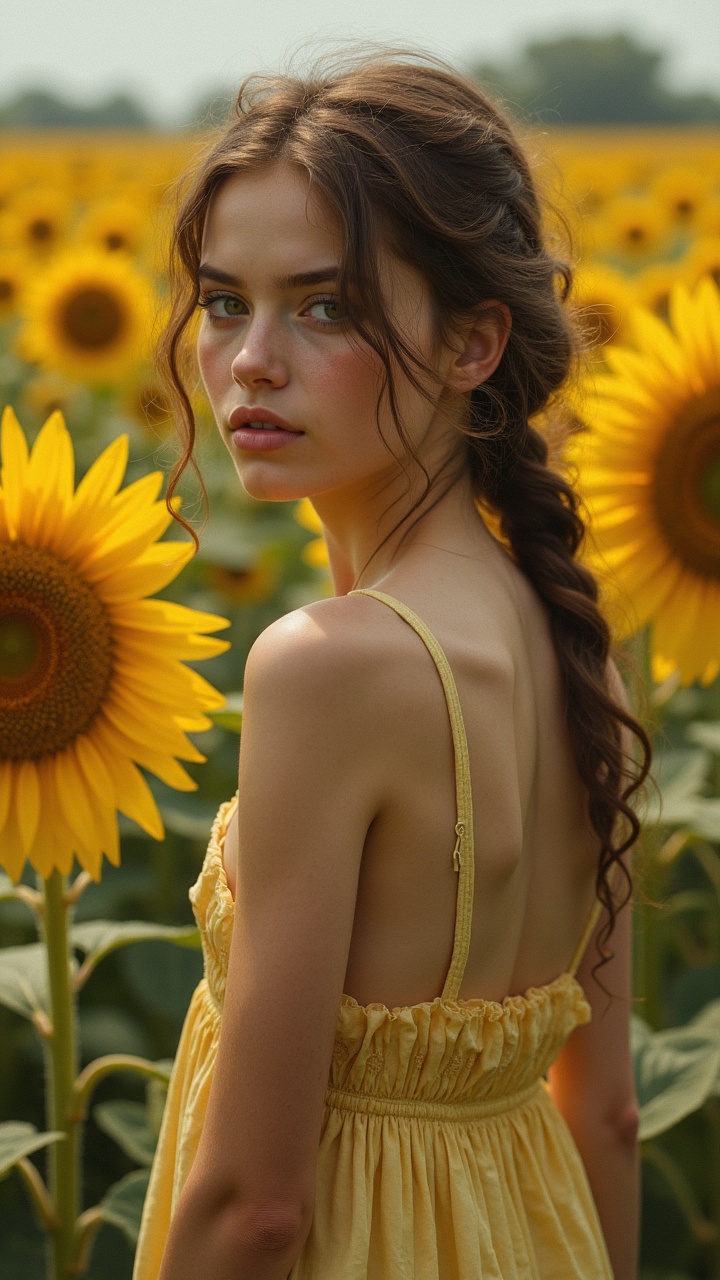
column 115, row 751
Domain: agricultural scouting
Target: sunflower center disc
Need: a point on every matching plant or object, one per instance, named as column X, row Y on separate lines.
column 92, row 319
column 56, row 653
column 686, row 485
column 40, row 230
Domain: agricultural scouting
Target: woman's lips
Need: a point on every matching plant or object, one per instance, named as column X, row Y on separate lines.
column 243, row 415
column 275, row 432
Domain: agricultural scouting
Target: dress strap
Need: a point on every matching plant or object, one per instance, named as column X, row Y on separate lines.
column 464, row 850
column 587, row 932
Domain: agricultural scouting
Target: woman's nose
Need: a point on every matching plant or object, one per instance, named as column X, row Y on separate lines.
column 259, row 359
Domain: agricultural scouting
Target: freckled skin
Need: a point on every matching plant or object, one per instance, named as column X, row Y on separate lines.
column 279, row 355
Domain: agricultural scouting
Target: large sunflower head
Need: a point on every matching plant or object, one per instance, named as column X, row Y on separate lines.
column 648, row 468
column 92, row 674
column 89, row 316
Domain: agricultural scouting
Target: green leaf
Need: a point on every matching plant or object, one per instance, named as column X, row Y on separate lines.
column 229, row 716
column 97, row 938
column 706, row 817
column 127, row 1124
column 23, row 979
column 679, row 774
column 123, row 1204
column 162, row 978
column 19, row 1139
column 675, row 1070
column 706, row 733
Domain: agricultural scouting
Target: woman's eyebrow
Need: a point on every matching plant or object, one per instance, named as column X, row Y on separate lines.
column 319, row 276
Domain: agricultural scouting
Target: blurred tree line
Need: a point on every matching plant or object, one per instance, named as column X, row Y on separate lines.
column 601, row 80
column 574, row 80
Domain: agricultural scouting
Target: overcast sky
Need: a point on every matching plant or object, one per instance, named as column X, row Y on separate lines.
column 171, row 52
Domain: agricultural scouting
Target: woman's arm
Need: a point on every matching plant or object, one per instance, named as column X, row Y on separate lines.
column 304, row 808
column 592, row 1085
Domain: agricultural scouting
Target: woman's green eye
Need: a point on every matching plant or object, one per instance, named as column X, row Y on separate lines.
column 226, row 300
column 331, row 308
column 229, row 303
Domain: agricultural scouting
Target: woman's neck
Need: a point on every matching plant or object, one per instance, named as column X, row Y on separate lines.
column 450, row 522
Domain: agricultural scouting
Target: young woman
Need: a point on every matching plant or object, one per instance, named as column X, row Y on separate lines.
column 390, row 1069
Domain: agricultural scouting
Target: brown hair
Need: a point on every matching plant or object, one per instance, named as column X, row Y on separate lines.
column 410, row 154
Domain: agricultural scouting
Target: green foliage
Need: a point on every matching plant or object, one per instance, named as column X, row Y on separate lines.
column 40, row 109
column 97, row 938
column 122, row 1206
column 594, row 80
column 675, row 1070
column 126, row 1122
column 23, row 979
column 18, row 1139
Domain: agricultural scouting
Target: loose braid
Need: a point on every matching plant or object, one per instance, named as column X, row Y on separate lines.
column 539, row 518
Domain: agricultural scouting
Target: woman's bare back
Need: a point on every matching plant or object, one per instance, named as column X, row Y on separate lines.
column 535, row 852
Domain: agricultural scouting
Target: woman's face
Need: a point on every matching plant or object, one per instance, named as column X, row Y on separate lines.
column 272, row 338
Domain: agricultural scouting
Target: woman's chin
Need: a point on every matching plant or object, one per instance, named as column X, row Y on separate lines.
column 269, row 488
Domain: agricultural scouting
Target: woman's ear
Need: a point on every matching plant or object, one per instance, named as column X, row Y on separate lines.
column 482, row 342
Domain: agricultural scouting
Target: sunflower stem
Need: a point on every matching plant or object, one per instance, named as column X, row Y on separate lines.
column 61, row 1058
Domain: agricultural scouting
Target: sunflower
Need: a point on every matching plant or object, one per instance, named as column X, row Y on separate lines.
column 92, row 681
column 707, row 222
column 682, row 189
column 702, row 259
column 636, row 227
column 601, row 297
column 648, row 470
column 653, row 285
column 117, row 226
column 314, row 552
column 37, row 220
column 246, row 586
column 14, row 273
column 145, row 400
column 89, row 316
column 46, row 392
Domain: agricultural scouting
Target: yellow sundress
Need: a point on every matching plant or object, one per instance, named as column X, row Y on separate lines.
column 442, row 1156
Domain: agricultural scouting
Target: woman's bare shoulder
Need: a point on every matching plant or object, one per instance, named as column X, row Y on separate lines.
column 326, row 644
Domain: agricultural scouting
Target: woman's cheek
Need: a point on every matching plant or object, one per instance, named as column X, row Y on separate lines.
column 346, row 376
column 214, row 367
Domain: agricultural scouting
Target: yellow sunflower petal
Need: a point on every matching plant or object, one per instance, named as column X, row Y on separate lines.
column 75, row 804
column 140, row 719
column 104, row 477
column 6, row 773
column 166, row 615
column 134, row 797
column 14, row 467
column 694, row 337
column 98, row 781
column 157, row 565
column 27, row 800
column 49, row 482
column 651, row 332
